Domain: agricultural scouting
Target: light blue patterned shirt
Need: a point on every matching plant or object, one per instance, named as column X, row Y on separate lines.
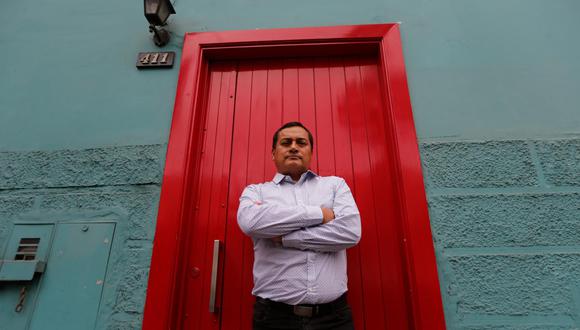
column 309, row 267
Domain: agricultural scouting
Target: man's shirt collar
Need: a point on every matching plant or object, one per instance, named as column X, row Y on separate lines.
column 278, row 178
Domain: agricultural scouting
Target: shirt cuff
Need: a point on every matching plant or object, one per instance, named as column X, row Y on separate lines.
column 313, row 216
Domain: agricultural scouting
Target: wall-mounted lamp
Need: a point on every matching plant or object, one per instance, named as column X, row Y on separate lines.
column 156, row 13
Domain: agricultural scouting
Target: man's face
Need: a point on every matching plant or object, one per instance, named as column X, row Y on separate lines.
column 293, row 152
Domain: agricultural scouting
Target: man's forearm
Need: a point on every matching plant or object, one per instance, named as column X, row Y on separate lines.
column 339, row 234
column 259, row 219
column 271, row 220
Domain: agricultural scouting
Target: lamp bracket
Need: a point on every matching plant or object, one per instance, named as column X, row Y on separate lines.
column 160, row 36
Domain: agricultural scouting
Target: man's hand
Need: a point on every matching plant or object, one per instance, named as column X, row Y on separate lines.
column 277, row 239
column 327, row 215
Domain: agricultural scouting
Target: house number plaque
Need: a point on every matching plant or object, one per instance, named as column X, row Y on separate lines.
column 155, row 60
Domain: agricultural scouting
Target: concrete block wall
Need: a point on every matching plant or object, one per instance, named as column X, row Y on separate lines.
column 114, row 183
column 505, row 216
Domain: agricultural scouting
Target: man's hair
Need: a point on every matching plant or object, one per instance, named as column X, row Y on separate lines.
column 292, row 124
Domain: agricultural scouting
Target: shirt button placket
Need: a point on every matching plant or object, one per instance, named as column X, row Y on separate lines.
column 310, row 275
column 298, row 189
column 297, row 195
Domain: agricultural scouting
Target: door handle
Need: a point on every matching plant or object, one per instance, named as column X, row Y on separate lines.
column 214, row 273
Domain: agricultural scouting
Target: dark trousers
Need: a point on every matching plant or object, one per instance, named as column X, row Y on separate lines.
column 270, row 315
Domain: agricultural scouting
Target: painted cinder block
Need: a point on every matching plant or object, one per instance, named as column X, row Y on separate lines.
column 131, row 298
column 516, row 284
column 131, row 293
column 478, row 164
column 560, row 161
column 11, row 205
column 139, row 204
column 125, row 321
column 89, row 167
column 508, row 253
column 549, row 219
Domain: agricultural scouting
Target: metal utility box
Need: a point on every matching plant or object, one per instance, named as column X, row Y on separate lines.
column 26, row 252
column 52, row 275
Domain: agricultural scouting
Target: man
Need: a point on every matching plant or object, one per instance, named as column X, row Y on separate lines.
column 301, row 224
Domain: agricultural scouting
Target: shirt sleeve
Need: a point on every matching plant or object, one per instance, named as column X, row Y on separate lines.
column 262, row 219
column 339, row 234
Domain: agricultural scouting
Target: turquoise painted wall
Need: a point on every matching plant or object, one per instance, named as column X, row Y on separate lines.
column 505, row 219
column 494, row 87
column 476, row 69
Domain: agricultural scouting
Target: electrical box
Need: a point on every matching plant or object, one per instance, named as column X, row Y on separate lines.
column 26, row 252
column 52, row 275
column 26, row 245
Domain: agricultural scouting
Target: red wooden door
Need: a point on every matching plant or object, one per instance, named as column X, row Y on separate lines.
column 340, row 100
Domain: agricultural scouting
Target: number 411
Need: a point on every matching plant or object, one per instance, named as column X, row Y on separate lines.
column 154, row 58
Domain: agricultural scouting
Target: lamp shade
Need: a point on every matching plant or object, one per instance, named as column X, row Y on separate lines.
column 157, row 11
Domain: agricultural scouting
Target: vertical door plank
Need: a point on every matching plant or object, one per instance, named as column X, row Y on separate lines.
column 324, row 130
column 290, row 91
column 369, row 245
column 346, row 103
column 234, row 257
column 198, row 288
column 389, row 231
column 257, row 130
column 211, row 192
column 274, row 108
column 256, row 161
column 306, row 102
column 218, row 212
column 340, row 119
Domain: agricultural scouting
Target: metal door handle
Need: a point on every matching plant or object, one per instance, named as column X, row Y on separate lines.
column 214, row 273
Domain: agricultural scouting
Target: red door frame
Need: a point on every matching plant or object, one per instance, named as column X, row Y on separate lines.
column 186, row 138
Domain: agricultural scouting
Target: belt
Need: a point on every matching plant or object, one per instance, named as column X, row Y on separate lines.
column 306, row 310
